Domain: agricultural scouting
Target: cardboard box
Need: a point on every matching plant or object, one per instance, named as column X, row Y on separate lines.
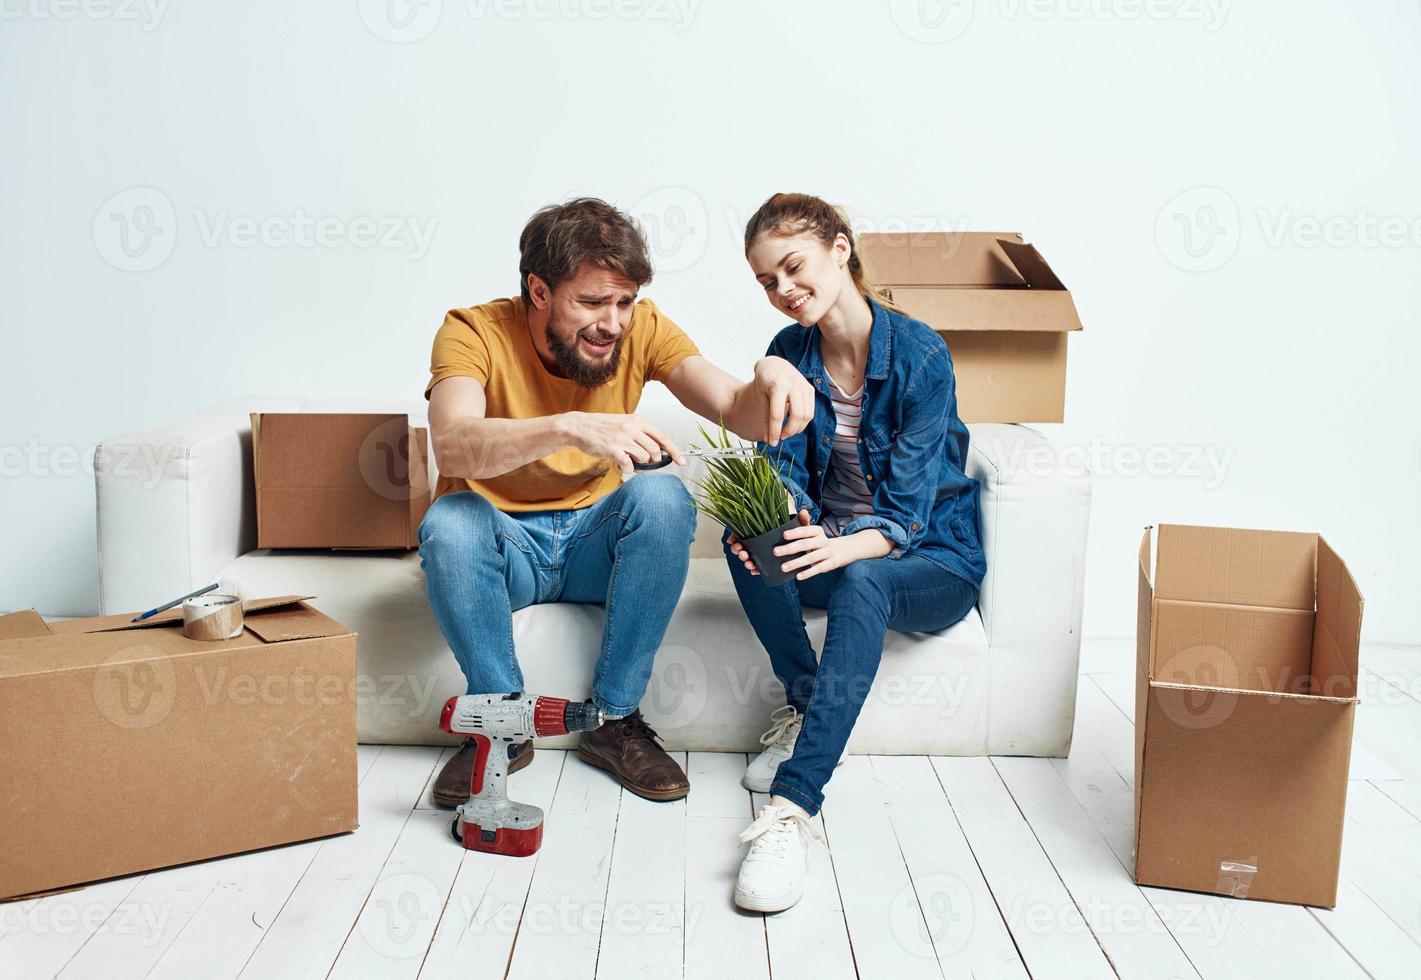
column 1003, row 312
column 132, row 747
column 1245, row 692
column 339, row 480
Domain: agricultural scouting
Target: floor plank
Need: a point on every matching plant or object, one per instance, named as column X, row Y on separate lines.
column 644, row 919
column 476, row 929
column 885, row 918
column 38, row 936
column 312, row 926
column 962, row 925
column 1124, row 923
column 1043, row 919
column 721, row 940
column 811, row 940
column 561, row 928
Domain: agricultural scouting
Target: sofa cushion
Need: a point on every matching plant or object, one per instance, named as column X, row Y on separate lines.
column 711, row 690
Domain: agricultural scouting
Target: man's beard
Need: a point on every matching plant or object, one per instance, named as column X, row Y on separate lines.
column 576, row 367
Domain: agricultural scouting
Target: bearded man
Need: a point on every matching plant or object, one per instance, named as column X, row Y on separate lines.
column 532, row 405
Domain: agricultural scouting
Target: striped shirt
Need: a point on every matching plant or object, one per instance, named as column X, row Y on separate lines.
column 846, row 493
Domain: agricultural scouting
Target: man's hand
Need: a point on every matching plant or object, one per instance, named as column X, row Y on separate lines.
column 624, row 439
column 784, row 397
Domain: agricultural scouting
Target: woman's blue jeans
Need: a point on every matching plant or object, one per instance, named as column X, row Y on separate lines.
column 865, row 600
column 630, row 550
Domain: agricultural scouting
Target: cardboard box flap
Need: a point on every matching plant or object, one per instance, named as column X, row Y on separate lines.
column 966, row 258
column 293, row 622
column 26, row 623
column 1033, row 268
column 953, row 311
column 1234, row 565
column 124, row 621
column 1337, row 629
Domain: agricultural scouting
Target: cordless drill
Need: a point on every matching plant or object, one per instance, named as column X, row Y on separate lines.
column 497, row 723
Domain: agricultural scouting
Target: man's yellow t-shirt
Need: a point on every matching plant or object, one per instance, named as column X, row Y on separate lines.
column 491, row 343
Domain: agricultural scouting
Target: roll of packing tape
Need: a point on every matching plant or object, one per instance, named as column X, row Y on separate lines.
column 212, row 617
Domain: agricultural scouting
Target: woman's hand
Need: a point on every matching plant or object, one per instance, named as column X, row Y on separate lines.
column 814, row 550
column 738, row 550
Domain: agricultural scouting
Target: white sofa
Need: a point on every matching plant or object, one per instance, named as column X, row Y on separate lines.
column 176, row 510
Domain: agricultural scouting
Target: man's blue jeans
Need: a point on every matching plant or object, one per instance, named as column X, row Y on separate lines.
column 865, row 600
column 630, row 550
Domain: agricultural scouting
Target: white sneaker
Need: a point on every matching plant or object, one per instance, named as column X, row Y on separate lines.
column 785, row 723
column 773, row 873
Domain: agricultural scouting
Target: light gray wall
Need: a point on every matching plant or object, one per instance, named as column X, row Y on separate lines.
column 1281, row 338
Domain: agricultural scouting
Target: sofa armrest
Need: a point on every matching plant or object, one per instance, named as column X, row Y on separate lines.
column 1035, row 512
column 175, row 503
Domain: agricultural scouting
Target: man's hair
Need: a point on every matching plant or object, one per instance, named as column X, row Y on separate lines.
column 561, row 238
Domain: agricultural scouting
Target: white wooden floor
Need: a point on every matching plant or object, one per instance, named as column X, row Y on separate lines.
column 936, row 867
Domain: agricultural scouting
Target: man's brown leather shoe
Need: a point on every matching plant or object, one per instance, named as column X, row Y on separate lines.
column 627, row 748
column 451, row 787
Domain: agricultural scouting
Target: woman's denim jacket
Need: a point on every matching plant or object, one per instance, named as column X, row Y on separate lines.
column 912, row 445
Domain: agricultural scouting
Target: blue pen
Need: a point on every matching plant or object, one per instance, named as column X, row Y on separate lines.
column 169, row 605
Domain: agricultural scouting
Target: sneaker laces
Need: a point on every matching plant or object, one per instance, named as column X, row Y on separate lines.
column 635, row 726
column 771, row 830
column 784, row 726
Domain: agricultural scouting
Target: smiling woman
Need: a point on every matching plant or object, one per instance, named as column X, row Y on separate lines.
column 887, row 535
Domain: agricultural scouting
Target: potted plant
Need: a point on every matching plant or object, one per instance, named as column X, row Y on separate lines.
column 743, row 493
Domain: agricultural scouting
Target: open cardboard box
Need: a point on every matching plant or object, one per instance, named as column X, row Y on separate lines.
column 129, row 747
column 1246, row 688
column 1004, row 314
column 339, row 480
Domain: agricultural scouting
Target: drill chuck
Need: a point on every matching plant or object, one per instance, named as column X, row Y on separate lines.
column 581, row 716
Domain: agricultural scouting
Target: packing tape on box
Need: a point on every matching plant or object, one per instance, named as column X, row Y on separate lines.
column 214, row 616
column 1235, row 876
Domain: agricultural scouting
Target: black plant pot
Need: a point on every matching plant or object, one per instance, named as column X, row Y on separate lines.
column 761, row 548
